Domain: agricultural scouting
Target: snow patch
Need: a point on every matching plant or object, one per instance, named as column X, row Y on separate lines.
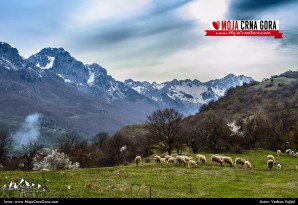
column 91, row 78
column 139, row 89
column 218, row 91
column 160, row 86
column 65, row 79
column 195, row 91
column 37, row 65
column 49, row 65
column 115, row 90
column 6, row 60
column 155, row 99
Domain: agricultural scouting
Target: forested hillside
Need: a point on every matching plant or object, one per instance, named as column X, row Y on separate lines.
column 262, row 114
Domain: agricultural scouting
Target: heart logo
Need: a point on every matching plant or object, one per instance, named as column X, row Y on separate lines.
column 216, row 24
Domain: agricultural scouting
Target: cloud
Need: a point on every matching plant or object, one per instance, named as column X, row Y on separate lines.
column 155, row 18
column 159, row 42
column 142, row 37
column 216, row 57
column 249, row 9
column 206, row 11
column 91, row 13
column 284, row 11
column 32, row 25
column 154, row 40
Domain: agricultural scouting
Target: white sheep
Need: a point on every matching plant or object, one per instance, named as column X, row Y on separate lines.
column 270, row 157
column 292, row 153
column 270, row 164
column 247, row 164
column 296, row 154
column 171, row 160
column 167, row 157
column 216, row 159
column 227, row 160
column 192, row 163
column 278, row 152
column 44, row 170
column 180, row 160
column 162, row 161
column 239, row 161
column 201, row 158
column 288, row 151
column 138, row 160
column 186, row 158
column 278, row 166
column 157, row 159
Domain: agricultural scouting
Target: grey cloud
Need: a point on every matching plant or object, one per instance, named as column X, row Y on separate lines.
column 161, row 7
column 153, row 34
column 284, row 11
column 123, row 31
column 248, row 9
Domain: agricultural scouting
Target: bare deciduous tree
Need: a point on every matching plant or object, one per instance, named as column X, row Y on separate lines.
column 29, row 152
column 67, row 143
column 112, row 150
column 165, row 128
column 215, row 128
column 100, row 139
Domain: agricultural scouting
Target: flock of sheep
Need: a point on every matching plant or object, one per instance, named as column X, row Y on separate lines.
column 200, row 159
column 222, row 160
column 270, row 158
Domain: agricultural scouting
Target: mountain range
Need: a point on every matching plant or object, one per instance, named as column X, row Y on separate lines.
column 84, row 98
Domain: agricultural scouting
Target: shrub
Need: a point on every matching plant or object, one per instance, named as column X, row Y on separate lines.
column 56, row 161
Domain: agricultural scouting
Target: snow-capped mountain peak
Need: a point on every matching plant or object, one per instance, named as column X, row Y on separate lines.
column 45, row 58
column 184, row 95
column 88, row 78
column 10, row 57
column 187, row 95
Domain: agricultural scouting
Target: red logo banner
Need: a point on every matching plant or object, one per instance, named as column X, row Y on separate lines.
column 274, row 33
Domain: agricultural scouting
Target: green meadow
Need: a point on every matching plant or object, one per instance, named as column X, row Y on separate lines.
column 150, row 180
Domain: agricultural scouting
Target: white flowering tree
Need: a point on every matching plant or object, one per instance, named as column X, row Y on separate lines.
column 123, row 152
column 123, row 149
column 235, row 129
column 56, row 161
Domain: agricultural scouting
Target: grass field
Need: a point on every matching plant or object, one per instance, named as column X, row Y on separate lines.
column 151, row 180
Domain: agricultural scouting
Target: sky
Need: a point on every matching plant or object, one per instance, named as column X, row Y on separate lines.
column 155, row 40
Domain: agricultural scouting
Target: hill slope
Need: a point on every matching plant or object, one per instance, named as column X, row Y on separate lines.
column 24, row 92
column 265, row 114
